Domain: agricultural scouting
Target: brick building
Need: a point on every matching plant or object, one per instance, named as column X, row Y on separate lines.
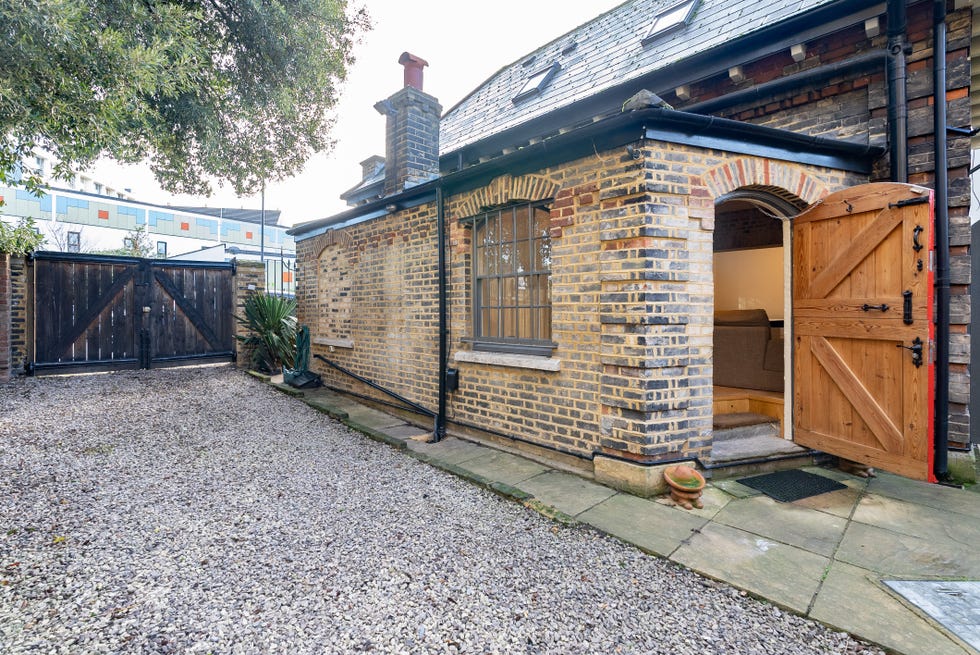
column 572, row 261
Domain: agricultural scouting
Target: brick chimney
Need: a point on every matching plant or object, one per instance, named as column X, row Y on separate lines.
column 411, row 131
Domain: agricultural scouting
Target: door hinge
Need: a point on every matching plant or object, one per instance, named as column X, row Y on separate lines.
column 909, row 201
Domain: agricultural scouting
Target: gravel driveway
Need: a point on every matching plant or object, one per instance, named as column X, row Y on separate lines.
column 199, row 511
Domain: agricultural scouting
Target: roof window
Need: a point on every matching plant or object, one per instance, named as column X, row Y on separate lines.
column 670, row 19
column 537, row 81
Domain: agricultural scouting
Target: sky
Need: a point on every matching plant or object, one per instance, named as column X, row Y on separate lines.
column 464, row 42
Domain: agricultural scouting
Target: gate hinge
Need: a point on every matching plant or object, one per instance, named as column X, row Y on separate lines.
column 909, row 201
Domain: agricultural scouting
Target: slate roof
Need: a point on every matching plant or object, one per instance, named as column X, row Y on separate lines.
column 608, row 51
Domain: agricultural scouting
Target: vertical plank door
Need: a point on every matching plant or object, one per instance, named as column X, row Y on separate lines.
column 862, row 327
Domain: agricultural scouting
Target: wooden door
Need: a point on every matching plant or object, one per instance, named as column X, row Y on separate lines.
column 862, row 327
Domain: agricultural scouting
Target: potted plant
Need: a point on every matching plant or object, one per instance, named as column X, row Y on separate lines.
column 271, row 323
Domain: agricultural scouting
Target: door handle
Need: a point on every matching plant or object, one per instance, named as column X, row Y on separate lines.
column 916, row 349
column 916, row 231
column 881, row 308
column 907, row 307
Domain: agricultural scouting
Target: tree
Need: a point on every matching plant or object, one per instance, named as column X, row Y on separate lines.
column 19, row 239
column 59, row 239
column 136, row 243
column 236, row 90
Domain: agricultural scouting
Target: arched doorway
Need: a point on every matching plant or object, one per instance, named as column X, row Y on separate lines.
column 752, row 361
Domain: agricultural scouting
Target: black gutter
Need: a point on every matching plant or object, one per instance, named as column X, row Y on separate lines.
column 439, row 429
column 618, row 130
column 866, row 61
column 941, row 461
column 374, row 385
column 897, row 94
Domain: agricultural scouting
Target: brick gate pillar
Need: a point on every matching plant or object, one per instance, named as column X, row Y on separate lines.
column 5, row 316
column 249, row 279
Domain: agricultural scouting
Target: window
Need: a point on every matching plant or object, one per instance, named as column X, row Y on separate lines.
column 672, row 18
column 128, row 243
column 74, row 242
column 161, row 248
column 537, row 81
column 512, row 280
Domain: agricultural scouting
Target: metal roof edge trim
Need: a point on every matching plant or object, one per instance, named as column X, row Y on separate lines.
column 660, row 123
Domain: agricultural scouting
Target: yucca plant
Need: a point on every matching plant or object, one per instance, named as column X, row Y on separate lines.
column 271, row 322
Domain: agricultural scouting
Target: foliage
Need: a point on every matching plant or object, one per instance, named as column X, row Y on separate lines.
column 228, row 89
column 136, row 243
column 19, row 239
column 57, row 239
column 271, row 321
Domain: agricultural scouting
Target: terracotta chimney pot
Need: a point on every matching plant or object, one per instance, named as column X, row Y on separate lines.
column 413, row 69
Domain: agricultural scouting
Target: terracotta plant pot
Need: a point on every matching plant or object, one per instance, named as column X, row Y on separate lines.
column 686, row 485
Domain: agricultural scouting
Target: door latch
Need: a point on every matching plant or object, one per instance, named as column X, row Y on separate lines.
column 881, row 308
column 916, row 231
column 916, row 349
column 907, row 307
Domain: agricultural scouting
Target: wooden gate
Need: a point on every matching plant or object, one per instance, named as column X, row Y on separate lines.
column 99, row 313
column 862, row 326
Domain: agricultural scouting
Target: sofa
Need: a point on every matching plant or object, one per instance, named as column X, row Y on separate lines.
column 745, row 354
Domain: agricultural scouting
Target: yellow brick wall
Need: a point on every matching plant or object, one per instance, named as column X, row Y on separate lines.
column 631, row 300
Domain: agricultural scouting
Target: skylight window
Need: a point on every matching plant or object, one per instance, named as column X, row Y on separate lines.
column 674, row 17
column 537, row 81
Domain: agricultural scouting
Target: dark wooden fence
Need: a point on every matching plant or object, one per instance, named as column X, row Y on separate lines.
column 96, row 313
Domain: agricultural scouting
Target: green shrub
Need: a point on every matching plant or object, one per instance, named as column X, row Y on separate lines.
column 271, row 321
column 19, row 239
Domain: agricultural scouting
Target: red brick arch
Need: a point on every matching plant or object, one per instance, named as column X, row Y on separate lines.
column 781, row 179
column 505, row 189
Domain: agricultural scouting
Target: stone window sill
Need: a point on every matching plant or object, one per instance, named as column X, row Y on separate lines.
column 506, row 359
column 336, row 343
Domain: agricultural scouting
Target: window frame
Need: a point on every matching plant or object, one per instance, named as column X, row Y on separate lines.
column 73, row 242
column 544, row 75
column 656, row 32
column 479, row 342
column 162, row 251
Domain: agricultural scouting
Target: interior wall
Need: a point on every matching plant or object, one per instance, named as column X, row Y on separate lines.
column 750, row 279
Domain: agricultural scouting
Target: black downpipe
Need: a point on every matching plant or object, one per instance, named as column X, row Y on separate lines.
column 941, row 462
column 439, row 429
column 374, row 385
column 897, row 97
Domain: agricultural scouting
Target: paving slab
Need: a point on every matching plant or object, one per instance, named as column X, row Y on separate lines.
column 785, row 575
column 737, row 489
column 644, row 523
column 900, row 555
column 406, row 431
column 451, row 450
column 839, row 503
column 372, row 418
column 918, row 520
column 852, row 599
column 924, row 493
column 503, row 467
column 787, row 523
column 569, row 493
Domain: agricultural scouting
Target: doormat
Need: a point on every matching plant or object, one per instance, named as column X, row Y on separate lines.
column 954, row 605
column 787, row 486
